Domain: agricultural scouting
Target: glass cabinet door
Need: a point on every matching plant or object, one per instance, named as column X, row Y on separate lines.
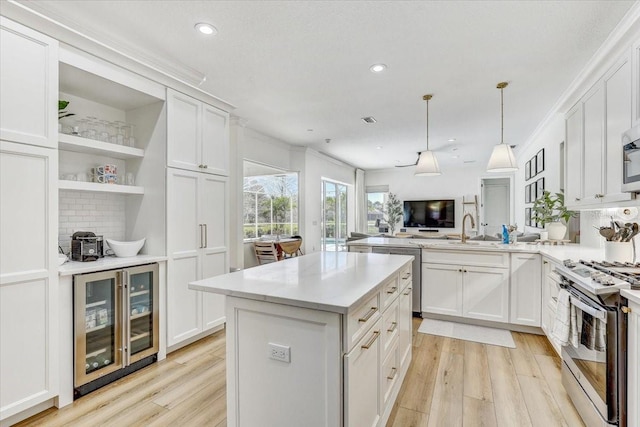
column 142, row 306
column 97, row 326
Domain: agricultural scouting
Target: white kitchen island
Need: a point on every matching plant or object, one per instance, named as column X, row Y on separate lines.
column 318, row 340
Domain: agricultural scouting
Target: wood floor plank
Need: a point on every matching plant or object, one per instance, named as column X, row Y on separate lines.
column 453, row 345
column 542, row 406
column 522, row 358
column 539, row 344
column 508, row 401
column 477, row 381
column 478, row 413
column 408, row 418
column 550, row 367
column 447, row 404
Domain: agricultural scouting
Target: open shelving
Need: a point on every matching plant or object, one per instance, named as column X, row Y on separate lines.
column 79, row 144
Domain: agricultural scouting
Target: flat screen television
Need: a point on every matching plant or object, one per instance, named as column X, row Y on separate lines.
column 430, row 213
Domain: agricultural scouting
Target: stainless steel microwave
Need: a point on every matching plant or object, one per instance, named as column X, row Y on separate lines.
column 631, row 160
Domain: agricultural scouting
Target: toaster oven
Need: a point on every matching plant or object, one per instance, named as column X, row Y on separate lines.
column 86, row 246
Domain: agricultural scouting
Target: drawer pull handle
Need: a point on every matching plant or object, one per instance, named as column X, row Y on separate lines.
column 367, row 316
column 407, row 276
column 408, row 291
column 373, row 339
column 391, row 376
column 392, row 290
column 394, row 326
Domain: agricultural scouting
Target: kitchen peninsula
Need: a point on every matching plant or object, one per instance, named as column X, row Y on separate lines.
column 318, row 340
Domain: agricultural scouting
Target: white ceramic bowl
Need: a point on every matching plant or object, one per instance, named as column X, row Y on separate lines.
column 62, row 258
column 125, row 249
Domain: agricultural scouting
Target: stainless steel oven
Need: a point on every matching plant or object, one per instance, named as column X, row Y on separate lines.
column 631, row 160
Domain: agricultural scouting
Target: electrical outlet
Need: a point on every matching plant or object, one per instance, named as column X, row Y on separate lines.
column 281, row 353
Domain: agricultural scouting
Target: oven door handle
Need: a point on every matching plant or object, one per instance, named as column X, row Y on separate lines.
column 598, row 314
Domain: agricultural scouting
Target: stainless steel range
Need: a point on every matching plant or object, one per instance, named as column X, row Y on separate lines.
column 594, row 370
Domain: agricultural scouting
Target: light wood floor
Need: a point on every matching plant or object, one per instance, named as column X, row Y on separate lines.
column 450, row 383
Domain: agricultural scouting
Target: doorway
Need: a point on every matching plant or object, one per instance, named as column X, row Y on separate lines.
column 334, row 216
column 496, row 204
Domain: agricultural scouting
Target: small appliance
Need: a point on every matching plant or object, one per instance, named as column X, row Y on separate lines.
column 631, row 160
column 86, row 246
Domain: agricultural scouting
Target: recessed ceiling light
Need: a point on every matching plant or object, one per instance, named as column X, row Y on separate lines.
column 455, row 157
column 451, row 139
column 379, row 147
column 207, row 29
column 378, row 68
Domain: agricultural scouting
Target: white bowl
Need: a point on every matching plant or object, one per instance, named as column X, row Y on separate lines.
column 125, row 249
column 62, row 258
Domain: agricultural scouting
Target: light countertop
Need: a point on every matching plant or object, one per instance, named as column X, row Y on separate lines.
column 328, row 281
column 557, row 252
column 631, row 295
column 106, row 263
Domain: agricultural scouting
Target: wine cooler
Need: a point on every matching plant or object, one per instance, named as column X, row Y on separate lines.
column 116, row 324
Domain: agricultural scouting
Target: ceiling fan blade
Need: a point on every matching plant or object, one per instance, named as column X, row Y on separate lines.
column 406, row 166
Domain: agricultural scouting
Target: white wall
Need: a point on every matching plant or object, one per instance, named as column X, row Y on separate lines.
column 454, row 183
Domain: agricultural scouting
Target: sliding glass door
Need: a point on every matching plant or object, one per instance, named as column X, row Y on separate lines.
column 334, row 216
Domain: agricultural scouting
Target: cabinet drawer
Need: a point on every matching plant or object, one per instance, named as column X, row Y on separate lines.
column 390, row 325
column 360, row 320
column 475, row 258
column 390, row 371
column 405, row 277
column 389, row 292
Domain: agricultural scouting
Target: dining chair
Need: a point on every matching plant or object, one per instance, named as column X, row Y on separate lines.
column 291, row 249
column 265, row 252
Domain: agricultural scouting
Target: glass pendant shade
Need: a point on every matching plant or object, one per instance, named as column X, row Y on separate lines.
column 427, row 165
column 502, row 159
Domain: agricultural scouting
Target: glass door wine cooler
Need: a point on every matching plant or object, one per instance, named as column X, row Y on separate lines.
column 116, row 324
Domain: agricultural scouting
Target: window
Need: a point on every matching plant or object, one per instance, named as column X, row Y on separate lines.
column 270, row 205
column 334, row 216
column 376, row 200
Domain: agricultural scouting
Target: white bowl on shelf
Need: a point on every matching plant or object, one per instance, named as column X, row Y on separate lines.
column 125, row 249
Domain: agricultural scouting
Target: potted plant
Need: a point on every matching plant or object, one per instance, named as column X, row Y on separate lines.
column 548, row 210
column 393, row 212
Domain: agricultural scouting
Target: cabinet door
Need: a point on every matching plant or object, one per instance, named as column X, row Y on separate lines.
column 526, row 289
column 362, row 381
column 184, row 116
column 618, row 120
column 593, row 148
column 635, row 83
column 212, row 198
column 28, row 276
column 573, row 166
column 485, row 293
column 633, row 363
column 184, row 240
column 215, row 140
column 442, row 289
column 28, row 86
column 404, row 324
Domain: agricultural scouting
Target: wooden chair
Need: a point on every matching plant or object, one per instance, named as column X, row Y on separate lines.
column 291, row 249
column 265, row 252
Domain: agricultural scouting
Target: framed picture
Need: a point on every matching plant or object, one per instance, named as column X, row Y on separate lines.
column 527, row 216
column 540, row 161
column 527, row 171
column 539, row 188
column 534, row 167
column 527, row 193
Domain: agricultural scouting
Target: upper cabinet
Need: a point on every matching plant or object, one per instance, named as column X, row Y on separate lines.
column 635, row 84
column 28, row 78
column 197, row 135
column 594, row 128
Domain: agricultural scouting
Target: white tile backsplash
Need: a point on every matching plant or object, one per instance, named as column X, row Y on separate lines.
column 101, row 213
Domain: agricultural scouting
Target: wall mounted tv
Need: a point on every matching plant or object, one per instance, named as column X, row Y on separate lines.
column 430, row 213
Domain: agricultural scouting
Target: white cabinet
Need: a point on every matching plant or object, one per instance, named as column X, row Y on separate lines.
column 635, row 83
column 593, row 139
column 28, row 85
column 28, row 277
column 526, row 288
column 633, row 364
column 362, row 365
column 550, row 289
column 197, row 248
column 405, row 324
column 197, row 135
column 463, row 289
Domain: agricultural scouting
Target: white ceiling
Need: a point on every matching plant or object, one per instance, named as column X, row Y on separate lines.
column 291, row 66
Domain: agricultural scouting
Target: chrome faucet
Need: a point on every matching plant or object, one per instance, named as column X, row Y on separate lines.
column 473, row 224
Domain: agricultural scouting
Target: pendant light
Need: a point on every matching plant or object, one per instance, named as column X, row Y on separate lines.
column 427, row 162
column 502, row 158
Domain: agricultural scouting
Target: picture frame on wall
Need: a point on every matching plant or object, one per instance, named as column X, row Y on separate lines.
column 540, row 161
column 534, row 167
column 527, row 171
column 539, row 188
column 527, row 193
column 527, row 216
